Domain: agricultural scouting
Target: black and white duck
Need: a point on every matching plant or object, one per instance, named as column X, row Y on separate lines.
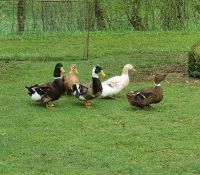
column 89, row 91
column 143, row 98
column 48, row 92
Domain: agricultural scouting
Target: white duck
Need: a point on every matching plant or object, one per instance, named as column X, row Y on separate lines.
column 115, row 84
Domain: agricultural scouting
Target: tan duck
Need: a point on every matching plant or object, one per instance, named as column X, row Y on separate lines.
column 143, row 98
column 71, row 78
column 48, row 92
column 88, row 91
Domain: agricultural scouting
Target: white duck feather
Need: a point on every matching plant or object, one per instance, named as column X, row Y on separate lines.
column 116, row 84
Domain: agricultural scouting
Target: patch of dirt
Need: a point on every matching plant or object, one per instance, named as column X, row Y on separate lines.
column 176, row 73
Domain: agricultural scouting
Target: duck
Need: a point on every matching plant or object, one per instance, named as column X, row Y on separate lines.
column 71, row 78
column 88, row 91
column 114, row 85
column 48, row 92
column 143, row 98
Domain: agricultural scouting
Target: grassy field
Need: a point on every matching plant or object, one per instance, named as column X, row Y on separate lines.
column 112, row 138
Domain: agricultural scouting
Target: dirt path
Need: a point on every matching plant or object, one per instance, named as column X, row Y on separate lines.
column 176, row 73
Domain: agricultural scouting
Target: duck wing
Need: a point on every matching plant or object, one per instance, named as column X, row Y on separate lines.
column 144, row 93
column 113, row 80
column 83, row 89
column 113, row 85
column 41, row 89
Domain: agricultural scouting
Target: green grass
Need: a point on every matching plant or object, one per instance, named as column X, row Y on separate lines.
column 51, row 47
column 112, row 138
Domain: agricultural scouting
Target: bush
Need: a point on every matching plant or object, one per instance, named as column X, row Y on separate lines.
column 194, row 61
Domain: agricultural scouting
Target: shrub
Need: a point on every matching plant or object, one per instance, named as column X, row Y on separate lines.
column 194, row 61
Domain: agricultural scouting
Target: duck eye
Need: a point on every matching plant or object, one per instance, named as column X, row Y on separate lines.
column 97, row 70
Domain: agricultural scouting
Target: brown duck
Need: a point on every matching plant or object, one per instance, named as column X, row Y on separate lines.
column 48, row 92
column 89, row 91
column 144, row 97
column 71, row 78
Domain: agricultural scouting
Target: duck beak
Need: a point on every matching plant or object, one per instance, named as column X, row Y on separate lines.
column 76, row 71
column 134, row 70
column 102, row 73
column 62, row 69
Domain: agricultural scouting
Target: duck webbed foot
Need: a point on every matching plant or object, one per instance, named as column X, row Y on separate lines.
column 49, row 105
column 87, row 104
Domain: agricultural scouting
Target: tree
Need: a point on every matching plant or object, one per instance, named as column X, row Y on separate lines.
column 99, row 15
column 134, row 16
column 181, row 13
column 21, row 15
column 174, row 14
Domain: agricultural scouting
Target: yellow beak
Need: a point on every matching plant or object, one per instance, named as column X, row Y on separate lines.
column 102, row 73
column 134, row 69
column 62, row 69
column 76, row 71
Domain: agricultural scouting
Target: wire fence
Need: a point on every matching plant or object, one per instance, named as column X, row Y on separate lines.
column 83, row 15
column 45, row 16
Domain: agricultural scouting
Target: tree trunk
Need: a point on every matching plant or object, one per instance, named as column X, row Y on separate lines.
column 134, row 18
column 21, row 16
column 99, row 15
column 181, row 13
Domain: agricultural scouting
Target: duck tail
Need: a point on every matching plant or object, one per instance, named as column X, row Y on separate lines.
column 128, row 95
column 30, row 89
column 30, row 92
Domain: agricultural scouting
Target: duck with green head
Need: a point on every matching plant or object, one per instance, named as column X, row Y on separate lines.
column 48, row 92
column 89, row 91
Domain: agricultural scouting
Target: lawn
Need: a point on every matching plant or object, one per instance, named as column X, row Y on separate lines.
column 112, row 137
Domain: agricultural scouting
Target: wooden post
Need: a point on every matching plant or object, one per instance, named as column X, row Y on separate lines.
column 99, row 15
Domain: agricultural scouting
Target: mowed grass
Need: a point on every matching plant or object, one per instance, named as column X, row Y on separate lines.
column 112, row 137
column 118, row 45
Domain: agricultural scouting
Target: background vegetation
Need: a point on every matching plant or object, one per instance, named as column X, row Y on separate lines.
column 69, row 15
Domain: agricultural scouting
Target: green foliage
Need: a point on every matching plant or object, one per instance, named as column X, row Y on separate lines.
column 194, row 61
column 48, row 16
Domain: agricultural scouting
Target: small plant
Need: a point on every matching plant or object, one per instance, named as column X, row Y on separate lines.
column 194, row 61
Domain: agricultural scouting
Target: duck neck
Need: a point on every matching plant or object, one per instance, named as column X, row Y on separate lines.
column 157, row 85
column 94, row 75
column 57, row 74
column 124, row 72
column 158, row 88
column 55, row 78
column 96, row 85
